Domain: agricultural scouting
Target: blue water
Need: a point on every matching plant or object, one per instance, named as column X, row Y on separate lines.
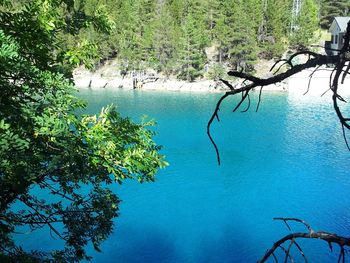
column 288, row 160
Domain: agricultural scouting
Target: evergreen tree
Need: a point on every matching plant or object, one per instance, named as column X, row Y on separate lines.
column 191, row 53
column 145, row 32
column 255, row 10
column 127, row 33
column 243, row 47
column 165, row 40
column 222, row 20
column 88, row 36
column 192, row 42
column 276, row 27
column 177, row 10
column 307, row 24
column 171, row 35
column 332, row 8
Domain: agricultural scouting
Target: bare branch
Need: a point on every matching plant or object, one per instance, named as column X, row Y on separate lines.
column 345, row 139
column 328, row 237
column 288, row 252
column 301, row 251
column 345, row 73
column 244, row 96
column 228, row 84
column 315, row 61
column 279, row 68
column 275, row 258
column 341, row 254
column 310, row 78
column 321, row 235
column 318, row 60
column 259, row 100
column 286, row 219
column 215, row 115
column 248, row 105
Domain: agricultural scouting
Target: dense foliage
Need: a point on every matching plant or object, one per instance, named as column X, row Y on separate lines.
column 173, row 36
column 55, row 165
column 332, row 8
column 305, row 24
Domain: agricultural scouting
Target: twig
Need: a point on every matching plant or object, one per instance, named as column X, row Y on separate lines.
column 259, row 100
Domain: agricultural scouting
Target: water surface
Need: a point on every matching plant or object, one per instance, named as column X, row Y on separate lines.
column 289, row 160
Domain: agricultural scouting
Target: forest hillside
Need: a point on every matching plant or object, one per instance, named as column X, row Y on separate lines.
column 191, row 39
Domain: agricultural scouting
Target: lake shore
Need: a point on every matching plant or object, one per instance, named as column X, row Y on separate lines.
column 297, row 84
column 98, row 80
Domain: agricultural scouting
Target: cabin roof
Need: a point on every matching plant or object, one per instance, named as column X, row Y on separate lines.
column 342, row 22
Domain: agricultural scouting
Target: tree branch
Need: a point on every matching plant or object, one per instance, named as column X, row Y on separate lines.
column 321, row 235
column 314, row 61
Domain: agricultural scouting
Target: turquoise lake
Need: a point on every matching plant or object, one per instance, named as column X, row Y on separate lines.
column 287, row 160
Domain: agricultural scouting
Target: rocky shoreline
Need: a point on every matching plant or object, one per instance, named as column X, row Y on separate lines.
column 109, row 79
column 101, row 80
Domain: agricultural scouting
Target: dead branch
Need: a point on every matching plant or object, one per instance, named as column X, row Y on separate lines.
column 330, row 238
column 341, row 69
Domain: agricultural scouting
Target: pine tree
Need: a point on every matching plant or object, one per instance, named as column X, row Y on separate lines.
column 243, row 47
column 307, row 24
column 276, row 27
column 177, row 10
column 126, row 33
column 256, row 13
column 192, row 43
column 222, row 20
column 165, row 40
column 171, row 35
column 213, row 14
column 332, row 8
column 145, row 31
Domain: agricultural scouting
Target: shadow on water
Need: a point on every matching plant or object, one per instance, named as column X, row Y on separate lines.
column 149, row 245
column 221, row 250
column 276, row 162
column 134, row 245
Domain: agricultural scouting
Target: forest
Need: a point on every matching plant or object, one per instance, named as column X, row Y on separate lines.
column 192, row 39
